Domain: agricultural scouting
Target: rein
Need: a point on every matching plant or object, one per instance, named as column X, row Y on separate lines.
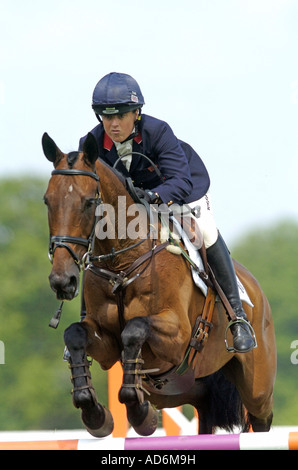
column 157, row 171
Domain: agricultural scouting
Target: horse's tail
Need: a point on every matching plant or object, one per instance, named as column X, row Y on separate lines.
column 225, row 407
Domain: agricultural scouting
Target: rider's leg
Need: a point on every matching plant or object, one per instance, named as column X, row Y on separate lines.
column 221, row 264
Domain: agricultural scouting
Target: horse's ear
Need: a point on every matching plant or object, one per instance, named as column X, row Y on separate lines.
column 50, row 149
column 90, row 149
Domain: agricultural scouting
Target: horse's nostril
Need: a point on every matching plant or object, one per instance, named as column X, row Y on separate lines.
column 65, row 286
column 73, row 282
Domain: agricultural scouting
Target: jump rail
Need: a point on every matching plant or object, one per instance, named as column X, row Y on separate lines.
column 277, row 440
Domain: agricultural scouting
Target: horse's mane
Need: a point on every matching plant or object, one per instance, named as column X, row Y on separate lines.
column 117, row 173
column 72, row 158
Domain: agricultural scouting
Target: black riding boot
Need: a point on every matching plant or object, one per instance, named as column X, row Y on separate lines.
column 221, row 264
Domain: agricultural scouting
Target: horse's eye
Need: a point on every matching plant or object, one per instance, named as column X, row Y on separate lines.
column 45, row 200
column 89, row 203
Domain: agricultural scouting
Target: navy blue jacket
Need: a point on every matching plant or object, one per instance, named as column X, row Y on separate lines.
column 185, row 176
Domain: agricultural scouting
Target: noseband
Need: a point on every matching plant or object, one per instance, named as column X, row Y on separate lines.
column 58, row 241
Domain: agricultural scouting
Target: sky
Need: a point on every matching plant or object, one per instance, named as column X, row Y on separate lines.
column 223, row 74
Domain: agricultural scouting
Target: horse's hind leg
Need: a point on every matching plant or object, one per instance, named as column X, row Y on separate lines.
column 97, row 419
column 140, row 413
column 255, row 388
column 260, row 425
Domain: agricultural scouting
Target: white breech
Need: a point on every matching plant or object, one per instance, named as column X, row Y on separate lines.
column 205, row 221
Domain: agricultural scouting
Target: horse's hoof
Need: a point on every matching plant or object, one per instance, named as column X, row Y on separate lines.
column 149, row 425
column 107, row 424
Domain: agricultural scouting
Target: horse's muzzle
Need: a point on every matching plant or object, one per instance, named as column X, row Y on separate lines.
column 64, row 285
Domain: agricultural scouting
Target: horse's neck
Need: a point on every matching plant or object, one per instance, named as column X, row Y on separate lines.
column 110, row 185
column 120, row 225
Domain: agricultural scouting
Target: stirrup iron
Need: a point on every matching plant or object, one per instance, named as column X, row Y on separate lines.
column 233, row 322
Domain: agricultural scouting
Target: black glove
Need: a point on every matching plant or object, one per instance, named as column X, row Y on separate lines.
column 150, row 196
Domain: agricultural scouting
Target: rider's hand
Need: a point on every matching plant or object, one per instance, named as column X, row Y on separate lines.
column 150, row 196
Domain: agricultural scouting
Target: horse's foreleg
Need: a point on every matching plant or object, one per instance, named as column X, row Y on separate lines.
column 140, row 413
column 97, row 419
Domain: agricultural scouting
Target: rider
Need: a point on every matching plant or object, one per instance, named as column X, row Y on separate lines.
column 117, row 102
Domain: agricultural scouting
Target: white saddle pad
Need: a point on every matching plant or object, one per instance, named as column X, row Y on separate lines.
column 197, row 260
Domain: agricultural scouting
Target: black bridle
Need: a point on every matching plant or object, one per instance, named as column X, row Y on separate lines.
column 61, row 241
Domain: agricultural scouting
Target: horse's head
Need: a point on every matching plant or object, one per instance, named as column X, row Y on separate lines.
column 71, row 199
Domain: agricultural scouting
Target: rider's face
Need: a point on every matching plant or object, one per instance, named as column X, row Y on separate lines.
column 119, row 126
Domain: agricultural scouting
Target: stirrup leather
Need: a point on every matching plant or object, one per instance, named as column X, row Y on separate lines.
column 234, row 322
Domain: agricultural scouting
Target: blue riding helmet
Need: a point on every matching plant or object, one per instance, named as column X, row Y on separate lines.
column 116, row 93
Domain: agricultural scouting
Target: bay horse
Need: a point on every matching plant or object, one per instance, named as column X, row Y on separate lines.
column 142, row 308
